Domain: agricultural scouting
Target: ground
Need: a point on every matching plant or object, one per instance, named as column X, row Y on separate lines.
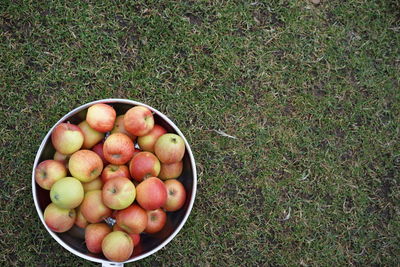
column 309, row 92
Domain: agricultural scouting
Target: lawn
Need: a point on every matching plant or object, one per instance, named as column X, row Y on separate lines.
column 310, row 93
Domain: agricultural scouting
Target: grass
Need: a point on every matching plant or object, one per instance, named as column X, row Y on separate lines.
column 311, row 94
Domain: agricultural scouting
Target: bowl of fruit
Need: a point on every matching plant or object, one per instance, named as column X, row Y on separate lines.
column 114, row 181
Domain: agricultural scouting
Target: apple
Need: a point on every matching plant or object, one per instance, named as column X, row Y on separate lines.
column 146, row 142
column 67, row 193
column 176, row 195
column 169, row 148
column 101, row 117
column 93, row 208
column 143, row 165
column 151, row 194
column 135, row 237
column 133, row 219
column 119, row 127
column 170, row 171
column 114, row 214
column 134, row 154
column 112, row 171
column 118, row 148
column 58, row 219
column 94, row 235
column 117, row 228
column 96, row 184
column 118, row 193
column 48, row 172
column 139, row 120
column 117, row 246
column 85, row 165
column 67, row 138
column 62, row 158
column 80, row 219
column 98, row 149
column 156, row 220
column 91, row 136
column 137, row 151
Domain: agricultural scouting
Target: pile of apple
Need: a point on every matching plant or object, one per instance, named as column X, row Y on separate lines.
column 97, row 173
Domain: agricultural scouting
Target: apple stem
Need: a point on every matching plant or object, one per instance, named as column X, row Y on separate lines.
column 93, row 171
column 147, row 176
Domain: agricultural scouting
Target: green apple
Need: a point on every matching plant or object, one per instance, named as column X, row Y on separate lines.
column 67, row 193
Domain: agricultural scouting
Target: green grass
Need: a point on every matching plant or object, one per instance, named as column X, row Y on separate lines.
column 310, row 92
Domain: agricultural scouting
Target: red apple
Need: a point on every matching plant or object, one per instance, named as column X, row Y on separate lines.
column 48, row 172
column 156, row 220
column 101, row 117
column 135, row 237
column 62, row 158
column 93, row 208
column 170, row 171
column 119, row 127
column 94, row 235
column 146, row 142
column 91, row 136
column 67, row 138
column 85, row 165
column 151, row 194
column 117, row 246
column 136, row 151
column 169, row 148
column 113, row 171
column 118, row 193
column 133, row 219
column 143, row 165
column 139, row 120
column 58, row 219
column 80, row 219
column 98, row 149
column 176, row 195
column 118, row 148
column 96, row 184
